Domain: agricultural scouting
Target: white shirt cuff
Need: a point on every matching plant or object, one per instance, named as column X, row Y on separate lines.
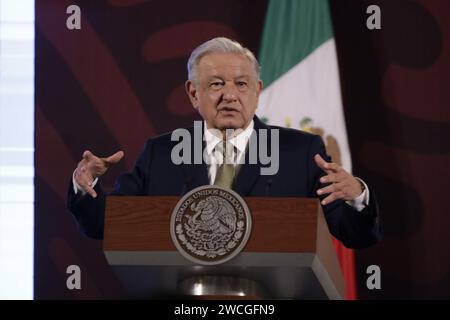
column 361, row 201
column 77, row 187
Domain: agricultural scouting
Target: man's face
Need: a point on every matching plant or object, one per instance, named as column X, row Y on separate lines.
column 226, row 90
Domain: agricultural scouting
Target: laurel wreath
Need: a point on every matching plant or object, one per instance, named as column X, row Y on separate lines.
column 209, row 245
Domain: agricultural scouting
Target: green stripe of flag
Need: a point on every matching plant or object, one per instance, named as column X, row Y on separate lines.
column 292, row 30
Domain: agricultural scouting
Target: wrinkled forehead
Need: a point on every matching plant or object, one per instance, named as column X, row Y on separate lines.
column 225, row 65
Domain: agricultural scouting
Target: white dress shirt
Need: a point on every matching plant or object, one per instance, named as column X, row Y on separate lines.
column 214, row 156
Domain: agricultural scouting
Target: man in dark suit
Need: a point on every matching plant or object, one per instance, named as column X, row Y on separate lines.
column 224, row 87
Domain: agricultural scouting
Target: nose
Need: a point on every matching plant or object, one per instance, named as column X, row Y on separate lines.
column 230, row 92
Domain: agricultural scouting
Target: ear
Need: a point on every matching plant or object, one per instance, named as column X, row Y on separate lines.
column 259, row 87
column 191, row 91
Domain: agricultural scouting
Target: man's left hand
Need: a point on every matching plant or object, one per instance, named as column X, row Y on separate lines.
column 342, row 184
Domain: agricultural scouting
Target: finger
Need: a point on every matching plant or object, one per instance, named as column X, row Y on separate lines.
column 334, row 187
column 89, row 168
column 332, row 197
column 83, row 176
column 321, row 163
column 330, row 178
column 116, row 157
column 88, row 156
column 334, row 177
column 326, row 166
column 90, row 191
column 332, row 167
column 84, row 179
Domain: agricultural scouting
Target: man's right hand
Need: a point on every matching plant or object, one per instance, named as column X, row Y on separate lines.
column 92, row 167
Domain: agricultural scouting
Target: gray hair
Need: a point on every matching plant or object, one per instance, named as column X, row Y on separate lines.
column 218, row 45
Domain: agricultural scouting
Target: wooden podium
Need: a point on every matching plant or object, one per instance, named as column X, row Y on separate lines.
column 289, row 254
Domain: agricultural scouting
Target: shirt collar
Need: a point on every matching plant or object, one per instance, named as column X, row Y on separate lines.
column 213, row 137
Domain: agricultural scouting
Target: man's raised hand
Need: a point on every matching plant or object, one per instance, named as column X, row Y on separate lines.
column 342, row 184
column 92, row 167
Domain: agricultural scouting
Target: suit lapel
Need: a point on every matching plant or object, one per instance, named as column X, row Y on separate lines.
column 196, row 175
column 250, row 173
column 246, row 179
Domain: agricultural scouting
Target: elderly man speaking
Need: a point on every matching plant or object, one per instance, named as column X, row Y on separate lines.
column 224, row 86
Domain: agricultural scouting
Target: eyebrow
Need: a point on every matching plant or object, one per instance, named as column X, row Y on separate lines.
column 214, row 77
column 221, row 78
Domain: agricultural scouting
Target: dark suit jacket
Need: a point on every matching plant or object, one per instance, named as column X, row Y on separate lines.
column 298, row 176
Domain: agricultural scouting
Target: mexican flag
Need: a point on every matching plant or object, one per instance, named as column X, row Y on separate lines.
column 302, row 91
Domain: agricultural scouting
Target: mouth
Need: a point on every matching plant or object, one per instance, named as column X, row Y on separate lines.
column 228, row 109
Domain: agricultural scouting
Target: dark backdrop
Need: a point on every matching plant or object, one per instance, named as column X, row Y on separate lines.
column 119, row 80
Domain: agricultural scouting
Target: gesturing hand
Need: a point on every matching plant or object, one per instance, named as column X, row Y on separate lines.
column 91, row 167
column 343, row 185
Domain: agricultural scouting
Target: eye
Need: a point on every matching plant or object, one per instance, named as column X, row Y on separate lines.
column 242, row 84
column 216, row 85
